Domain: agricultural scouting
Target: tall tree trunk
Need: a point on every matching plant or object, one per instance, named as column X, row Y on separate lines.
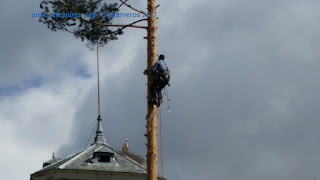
column 152, row 153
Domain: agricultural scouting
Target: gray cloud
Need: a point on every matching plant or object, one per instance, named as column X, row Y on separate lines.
column 244, row 88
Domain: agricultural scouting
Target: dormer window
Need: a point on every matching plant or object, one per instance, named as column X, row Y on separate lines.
column 103, row 157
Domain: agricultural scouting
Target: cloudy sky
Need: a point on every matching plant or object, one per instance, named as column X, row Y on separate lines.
column 245, row 89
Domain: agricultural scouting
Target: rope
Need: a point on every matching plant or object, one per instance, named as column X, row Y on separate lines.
column 91, row 135
column 160, row 139
column 98, row 74
column 167, row 96
column 160, row 128
column 98, row 82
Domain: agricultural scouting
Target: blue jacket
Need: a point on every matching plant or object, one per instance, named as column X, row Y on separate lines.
column 159, row 66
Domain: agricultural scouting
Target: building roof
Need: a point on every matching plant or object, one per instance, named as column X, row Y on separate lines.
column 84, row 160
column 51, row 161
column 98, row 157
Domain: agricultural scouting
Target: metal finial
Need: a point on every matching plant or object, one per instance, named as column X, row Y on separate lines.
column 99, row 139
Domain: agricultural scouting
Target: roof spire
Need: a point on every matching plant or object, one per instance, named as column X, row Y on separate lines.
column 99, row 139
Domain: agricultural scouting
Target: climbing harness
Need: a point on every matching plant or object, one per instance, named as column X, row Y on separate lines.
column 165, row 77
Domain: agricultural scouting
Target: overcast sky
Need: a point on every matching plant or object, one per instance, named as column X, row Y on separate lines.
column 245, row 89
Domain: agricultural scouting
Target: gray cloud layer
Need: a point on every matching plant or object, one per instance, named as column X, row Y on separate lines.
column 244, row 92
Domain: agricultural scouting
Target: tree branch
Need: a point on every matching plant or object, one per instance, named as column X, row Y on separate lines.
column 128, row 25
column 119, row 25
column 121, row 4
column 125, row 27
column 93, row 3
column 62, row 26
column 122, row 25
column 129, row 6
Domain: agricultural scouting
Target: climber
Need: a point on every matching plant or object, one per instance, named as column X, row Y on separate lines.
column 161, row 77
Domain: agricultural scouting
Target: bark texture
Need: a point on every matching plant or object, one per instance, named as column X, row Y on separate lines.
column 152, row 153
